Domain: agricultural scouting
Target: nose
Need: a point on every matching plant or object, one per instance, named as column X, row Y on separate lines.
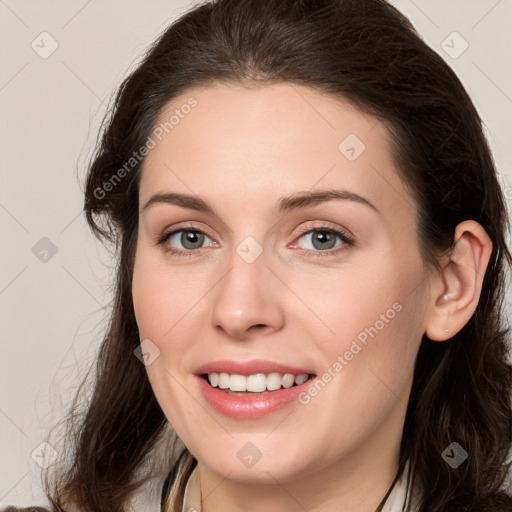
column 248, row 302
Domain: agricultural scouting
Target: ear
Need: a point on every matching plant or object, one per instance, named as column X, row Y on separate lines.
column 456, row 290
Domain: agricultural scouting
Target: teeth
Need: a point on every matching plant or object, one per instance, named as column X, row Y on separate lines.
column 288, row 380
column 256, row 383
column 274, row 381
column 214, row 379
column 237, row 383
column 223, row 381
column 300, row 379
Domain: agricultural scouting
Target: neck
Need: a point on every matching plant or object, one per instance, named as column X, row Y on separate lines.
column 357, row 482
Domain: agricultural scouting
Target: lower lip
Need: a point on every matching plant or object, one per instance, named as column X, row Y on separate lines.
column 250, row 406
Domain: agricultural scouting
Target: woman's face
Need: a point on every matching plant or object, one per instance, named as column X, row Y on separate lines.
column 256, row 278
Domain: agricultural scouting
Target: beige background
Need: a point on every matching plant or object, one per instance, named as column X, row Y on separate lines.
column 51, row 312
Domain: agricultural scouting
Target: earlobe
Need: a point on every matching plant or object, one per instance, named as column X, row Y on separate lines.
column 456, row 290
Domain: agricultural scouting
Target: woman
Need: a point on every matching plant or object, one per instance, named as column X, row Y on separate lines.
column 311, row 269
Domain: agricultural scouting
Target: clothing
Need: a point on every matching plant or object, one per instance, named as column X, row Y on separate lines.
column 396, row 501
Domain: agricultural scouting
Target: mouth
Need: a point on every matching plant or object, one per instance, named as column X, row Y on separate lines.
column 249, row 390
column 255, row 384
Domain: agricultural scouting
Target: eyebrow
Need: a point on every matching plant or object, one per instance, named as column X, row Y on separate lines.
column 297, row 201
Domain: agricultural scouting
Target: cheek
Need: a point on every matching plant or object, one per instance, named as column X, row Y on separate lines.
column 161, row 295
column 159, row 303
column 147, row 300
column 354, row 302
column 374, row 322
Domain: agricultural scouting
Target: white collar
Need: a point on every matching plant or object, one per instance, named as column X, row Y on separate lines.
column 192, row 495
column 397, row 500
column 401, row 497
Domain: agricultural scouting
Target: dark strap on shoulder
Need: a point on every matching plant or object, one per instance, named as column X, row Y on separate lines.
column 382, row 503
column 174, row 473
column 165, row 489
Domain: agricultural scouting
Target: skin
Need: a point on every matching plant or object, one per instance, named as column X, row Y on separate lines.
column 242, row 150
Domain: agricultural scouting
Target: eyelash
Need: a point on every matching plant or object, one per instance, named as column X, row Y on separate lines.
column 347, row 240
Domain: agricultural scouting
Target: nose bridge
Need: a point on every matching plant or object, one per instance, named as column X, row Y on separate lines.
column 247, row 296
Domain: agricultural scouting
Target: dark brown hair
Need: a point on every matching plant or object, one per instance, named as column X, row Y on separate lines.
column 365, row 51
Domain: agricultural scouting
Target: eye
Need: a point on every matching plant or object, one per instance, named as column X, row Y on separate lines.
column 323, row 240
column 189, row 238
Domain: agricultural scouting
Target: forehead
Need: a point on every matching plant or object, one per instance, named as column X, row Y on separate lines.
column 250, row 146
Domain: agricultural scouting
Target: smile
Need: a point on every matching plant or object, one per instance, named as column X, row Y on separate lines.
column 275, row 391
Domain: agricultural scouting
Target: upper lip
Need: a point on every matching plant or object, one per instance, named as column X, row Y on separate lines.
column 249, row 367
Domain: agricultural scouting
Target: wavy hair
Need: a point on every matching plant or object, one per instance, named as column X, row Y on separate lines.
column 365, row 51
